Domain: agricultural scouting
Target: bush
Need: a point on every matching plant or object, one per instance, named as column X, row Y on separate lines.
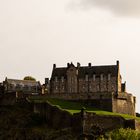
column 124, row 134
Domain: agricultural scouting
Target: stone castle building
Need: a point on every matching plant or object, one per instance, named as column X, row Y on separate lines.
column 101, row 86
column 24, row 86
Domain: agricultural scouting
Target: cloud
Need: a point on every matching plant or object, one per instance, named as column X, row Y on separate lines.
column 118, row 7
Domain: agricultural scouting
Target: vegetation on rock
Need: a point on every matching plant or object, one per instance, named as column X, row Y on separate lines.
column 29, row 78
column 17, row 122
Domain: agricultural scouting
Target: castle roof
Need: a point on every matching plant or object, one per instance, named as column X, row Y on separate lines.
column 97, row 70
column 87, row 70
column 23, row 82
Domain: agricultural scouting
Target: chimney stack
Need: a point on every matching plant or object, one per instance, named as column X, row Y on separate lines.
column 54, row 66
column 78, row 64
column 89, row 64
column 46, row 81
column 118, row 63
column 68, row 64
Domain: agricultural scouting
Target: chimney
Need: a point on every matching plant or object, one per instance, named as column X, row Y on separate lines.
column 118, row 63
column 68, row 64
column 46, row 81
column 78, row 65
column 54, row 66
column 89, row 64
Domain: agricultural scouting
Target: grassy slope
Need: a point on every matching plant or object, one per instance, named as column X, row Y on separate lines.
column 74, row 107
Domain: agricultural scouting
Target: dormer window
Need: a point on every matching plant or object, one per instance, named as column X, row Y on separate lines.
column 62, row 78
column 102, row 77
column 56, row 79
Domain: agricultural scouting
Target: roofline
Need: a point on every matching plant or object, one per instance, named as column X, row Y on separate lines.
column 24, row 80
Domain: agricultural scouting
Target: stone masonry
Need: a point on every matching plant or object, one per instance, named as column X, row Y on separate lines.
column 101, row 86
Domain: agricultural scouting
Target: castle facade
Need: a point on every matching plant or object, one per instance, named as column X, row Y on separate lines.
column 100, row 85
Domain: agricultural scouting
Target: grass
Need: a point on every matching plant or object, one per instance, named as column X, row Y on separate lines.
column 75, row 107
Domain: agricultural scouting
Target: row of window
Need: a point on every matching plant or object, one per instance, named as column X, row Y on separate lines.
column 25, row 87
column 84, row 88
column 87, row 77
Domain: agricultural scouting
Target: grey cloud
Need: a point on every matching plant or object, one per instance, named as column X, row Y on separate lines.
column 119, row 7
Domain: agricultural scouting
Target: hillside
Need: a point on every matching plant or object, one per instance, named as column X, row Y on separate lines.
column 17, row 122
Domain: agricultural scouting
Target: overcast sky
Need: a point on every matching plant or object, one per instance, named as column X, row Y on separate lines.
column 34, row 34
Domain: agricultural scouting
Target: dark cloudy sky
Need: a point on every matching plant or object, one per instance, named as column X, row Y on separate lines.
column 34, row 34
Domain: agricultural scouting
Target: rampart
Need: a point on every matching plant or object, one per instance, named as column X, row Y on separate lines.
column 121, row 103
column 82, row 122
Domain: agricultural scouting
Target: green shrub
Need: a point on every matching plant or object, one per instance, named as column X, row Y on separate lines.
column 124, row 134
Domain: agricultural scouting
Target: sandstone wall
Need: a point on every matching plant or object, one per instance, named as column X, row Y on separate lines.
column 124, row 104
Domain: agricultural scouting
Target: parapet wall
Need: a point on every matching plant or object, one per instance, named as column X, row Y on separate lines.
column 81, row 96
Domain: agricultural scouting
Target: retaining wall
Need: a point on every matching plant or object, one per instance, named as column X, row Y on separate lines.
column 80, row 122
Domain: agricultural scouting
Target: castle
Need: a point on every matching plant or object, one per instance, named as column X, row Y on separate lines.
column 101, row 86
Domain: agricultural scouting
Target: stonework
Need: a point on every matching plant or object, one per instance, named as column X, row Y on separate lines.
column 24, row 86
column 102, row 85
column 82, row 122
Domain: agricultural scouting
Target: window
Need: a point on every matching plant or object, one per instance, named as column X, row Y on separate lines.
column 98, row 87
column 86, row 78
column 94, row 77
column 18, row 86
column 102, row 77
column 62, row 78
column 83, row 87
column 56, row 79
column 56, row 87
column 72, row 80
column 70, row 89
column 109, row 77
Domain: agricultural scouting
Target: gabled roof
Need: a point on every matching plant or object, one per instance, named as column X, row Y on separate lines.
column 23, row 82
column 59, row 72
column 83, row 70
column 97, row 70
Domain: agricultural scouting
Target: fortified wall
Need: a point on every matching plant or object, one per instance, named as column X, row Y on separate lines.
column 82, row 122
column 122, row 103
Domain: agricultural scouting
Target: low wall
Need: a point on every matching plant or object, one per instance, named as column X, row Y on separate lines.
column 82, row 122
column 81, row 96
column 99, row 100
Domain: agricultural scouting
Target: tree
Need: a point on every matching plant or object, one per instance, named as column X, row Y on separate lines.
column 29, row 78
